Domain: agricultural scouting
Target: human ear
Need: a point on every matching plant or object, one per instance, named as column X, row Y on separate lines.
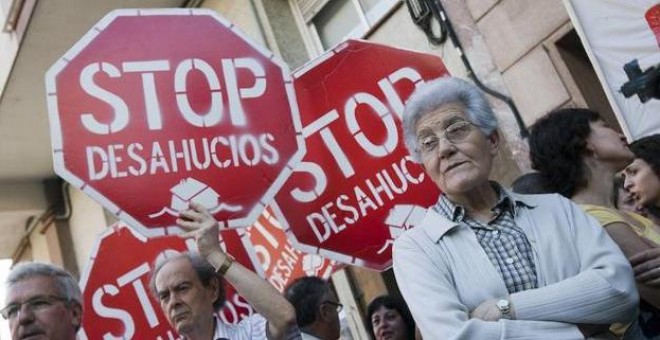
column 494, row 142
column 214, row 289
column 76, row 315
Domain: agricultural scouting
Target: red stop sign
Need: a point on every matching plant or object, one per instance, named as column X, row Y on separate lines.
column 356, row 188
column 153, row 109
column 115, row 284
column 281, row 262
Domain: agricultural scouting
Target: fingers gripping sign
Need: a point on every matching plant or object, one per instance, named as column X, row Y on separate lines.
column 263, row 297
column 200, row 225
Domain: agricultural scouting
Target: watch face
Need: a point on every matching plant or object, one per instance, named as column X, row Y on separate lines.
column 503, row 305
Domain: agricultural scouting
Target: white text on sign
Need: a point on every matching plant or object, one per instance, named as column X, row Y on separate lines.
column 384, row 184
column 147, row 70
column 139, row 159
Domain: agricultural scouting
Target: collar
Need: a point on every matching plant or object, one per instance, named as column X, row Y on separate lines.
column 436, row 223
column 456, row 212
column 307, row 336
column 219, row 333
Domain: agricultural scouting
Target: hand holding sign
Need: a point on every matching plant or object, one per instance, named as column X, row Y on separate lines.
column 200, row 225
column 263, row 297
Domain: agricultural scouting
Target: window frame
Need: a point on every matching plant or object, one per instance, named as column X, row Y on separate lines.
column 369, row 21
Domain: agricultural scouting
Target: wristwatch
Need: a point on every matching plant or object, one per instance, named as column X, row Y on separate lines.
column 505, row 308
column 222, row 270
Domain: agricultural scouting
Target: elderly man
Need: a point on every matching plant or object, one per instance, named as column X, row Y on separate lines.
column 43, row 302
column 189, row 289
column 486, row 263
column 317, row 309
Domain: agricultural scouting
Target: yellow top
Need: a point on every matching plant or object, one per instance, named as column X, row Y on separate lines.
column 607, row 216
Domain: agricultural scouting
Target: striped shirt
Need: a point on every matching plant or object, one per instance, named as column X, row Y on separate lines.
column 505, row 244
column 251, row 328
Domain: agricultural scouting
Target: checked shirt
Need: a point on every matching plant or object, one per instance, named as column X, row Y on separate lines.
column 505, row 244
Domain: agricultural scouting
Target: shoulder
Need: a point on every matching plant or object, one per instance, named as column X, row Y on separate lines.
column 604, row 215
column 532, row 197
column 410, row 238
column 556, row 201
column 252, row 327
column 557, row 208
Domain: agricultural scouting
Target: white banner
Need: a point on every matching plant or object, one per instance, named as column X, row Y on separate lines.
column 618, row 34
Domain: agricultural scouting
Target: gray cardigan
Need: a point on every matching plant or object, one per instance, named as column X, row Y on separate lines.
column 444, row 273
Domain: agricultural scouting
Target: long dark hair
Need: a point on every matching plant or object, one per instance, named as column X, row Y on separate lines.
column 556, row 146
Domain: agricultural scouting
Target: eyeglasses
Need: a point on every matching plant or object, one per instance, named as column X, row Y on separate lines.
column 338, row 306
column 454, row 133
column 34, row 304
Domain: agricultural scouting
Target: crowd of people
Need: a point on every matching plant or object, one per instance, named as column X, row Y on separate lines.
column 571, row 252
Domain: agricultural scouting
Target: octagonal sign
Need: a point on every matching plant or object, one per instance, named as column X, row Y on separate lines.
column 115, row 284
column 281, row 262
column 153, row 109
column 356, row 188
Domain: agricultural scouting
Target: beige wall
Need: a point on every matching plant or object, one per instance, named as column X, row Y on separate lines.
column 45, row 245
column 242, row 14
column 86, row 222
column 399, row 31
column 66, row 243
column 538, row 76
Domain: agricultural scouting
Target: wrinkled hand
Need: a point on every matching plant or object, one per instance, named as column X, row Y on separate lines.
column 200, row 225
column 487, row 311
column 647, row 267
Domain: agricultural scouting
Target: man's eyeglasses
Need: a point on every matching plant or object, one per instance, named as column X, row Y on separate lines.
column 34, row 304
column 338, row 306
column 454, row 133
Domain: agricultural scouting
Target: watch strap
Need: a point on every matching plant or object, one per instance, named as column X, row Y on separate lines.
column 224, row 267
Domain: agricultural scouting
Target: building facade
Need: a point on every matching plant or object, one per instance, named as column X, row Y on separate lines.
column 525, row 49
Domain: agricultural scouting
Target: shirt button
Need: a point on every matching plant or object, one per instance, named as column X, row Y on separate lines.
column 509, row 261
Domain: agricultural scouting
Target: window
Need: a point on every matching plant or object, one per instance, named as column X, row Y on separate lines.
column 328, row 22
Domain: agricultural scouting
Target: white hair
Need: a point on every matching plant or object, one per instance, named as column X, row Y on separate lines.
column 441, row 91
column 65, row 283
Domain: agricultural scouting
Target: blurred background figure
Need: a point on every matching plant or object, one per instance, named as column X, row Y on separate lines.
column 531, row 183
column 578, row 156
column 390, row 319
column 642, row 176
column 317, row 308
column 622, row 199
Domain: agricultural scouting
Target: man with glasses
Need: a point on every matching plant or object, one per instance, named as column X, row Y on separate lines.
column 486, row 263
column 317, row 309
column 42, row 302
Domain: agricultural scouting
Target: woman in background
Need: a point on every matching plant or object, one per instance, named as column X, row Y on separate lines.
column 390, row 319
column 578, row 156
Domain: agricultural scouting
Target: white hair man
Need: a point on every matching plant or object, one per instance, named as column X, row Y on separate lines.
column 43, row 301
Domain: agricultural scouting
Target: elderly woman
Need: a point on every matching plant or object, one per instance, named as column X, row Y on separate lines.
column 486, row 263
